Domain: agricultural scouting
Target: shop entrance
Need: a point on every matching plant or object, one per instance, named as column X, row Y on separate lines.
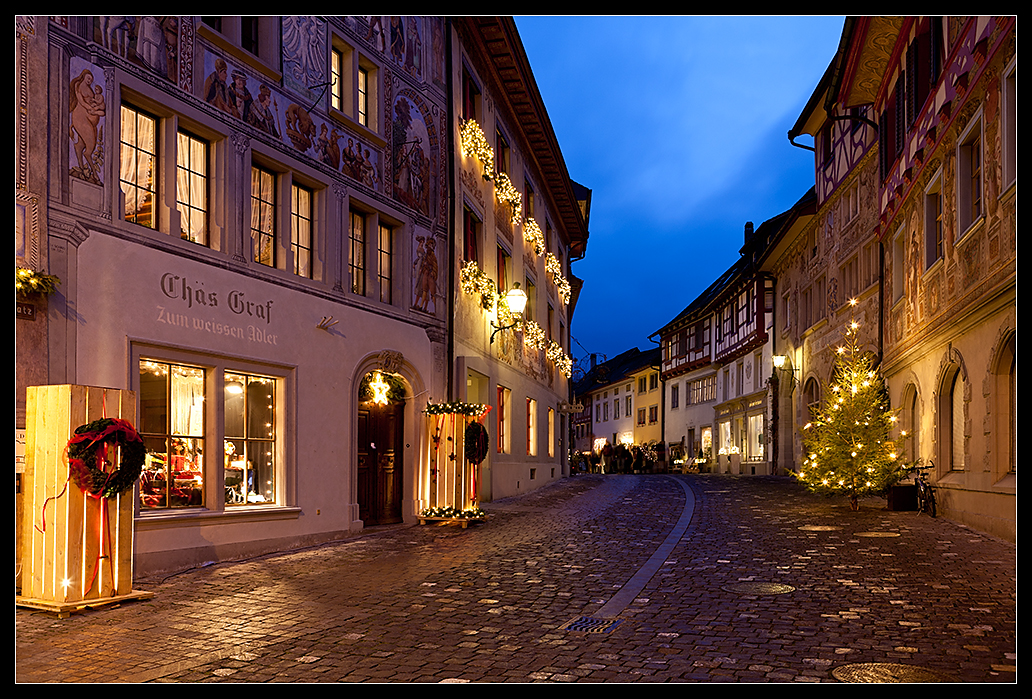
column 380, row 461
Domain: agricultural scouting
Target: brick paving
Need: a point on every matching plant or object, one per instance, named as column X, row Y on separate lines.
column 767, row 583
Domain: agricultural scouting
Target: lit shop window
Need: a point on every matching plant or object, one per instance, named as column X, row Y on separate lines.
column 171, row 424
column 250, row 439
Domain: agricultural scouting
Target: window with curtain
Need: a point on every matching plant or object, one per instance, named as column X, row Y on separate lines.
column 385, row 266
column 263, row 215
column 192, row 187
column 138, row 166
column 301, row 229
column 356, row 252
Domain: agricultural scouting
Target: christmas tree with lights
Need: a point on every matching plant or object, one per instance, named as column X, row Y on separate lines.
column 848, row 445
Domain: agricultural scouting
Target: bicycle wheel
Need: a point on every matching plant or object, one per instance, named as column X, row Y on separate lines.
column 930, row 503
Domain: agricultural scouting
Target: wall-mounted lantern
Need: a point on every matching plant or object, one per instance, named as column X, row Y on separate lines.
column 516, row 299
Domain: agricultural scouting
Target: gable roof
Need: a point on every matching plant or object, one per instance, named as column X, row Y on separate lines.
column 619, row 368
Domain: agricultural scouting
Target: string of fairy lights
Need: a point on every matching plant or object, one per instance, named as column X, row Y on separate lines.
column 475, row 281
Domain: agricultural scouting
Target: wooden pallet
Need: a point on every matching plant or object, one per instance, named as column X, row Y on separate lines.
column 64, row 610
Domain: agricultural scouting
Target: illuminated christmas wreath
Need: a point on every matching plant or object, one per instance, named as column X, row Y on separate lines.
column 89, row 472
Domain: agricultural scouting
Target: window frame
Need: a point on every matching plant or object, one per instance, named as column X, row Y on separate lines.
column 1008, row 129
column 934, row 229
column 503, row 399
column 970, row 172
column 385, row 261
column 191, row 176
column 261, row 43
column 532, row 441
column 215, row 368
column 302, row 229
column 270, row 205
column 357, row 251
column 154, row 156
column 471, row 226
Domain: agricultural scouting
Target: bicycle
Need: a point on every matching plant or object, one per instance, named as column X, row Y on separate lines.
column 925, row 491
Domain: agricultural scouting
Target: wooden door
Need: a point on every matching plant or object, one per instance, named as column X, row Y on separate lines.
column 380, row 466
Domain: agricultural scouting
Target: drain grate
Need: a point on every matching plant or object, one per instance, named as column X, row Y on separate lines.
column 586, row 624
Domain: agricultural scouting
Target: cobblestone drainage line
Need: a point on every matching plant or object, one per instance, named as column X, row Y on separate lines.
column 604, row 620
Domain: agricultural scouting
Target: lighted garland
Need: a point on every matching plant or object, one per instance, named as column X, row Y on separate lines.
column 532, row 234
column 475, row 143
column 506, row 191
column 474, row 281
column 533, row 335
column 27, row 281
column 88, row 471
column 453, row 513
column 457, row 408
column 562, row 361
column 555, row 268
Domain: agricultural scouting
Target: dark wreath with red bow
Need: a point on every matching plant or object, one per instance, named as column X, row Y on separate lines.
column 89, row 466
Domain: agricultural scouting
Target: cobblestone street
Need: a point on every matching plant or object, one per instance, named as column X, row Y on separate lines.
column 591, row 579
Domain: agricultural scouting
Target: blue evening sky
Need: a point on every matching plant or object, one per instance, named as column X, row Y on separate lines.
column 678, row 125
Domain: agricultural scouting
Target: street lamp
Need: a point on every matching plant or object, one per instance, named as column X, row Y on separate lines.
column 516, row 299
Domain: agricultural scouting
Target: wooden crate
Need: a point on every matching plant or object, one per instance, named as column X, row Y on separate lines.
column 77, row 550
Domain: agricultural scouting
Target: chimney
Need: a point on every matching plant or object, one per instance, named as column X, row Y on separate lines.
column 593, row 359
column 748, row 230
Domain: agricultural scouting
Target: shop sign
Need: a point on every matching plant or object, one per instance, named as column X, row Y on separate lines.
column 236, row 314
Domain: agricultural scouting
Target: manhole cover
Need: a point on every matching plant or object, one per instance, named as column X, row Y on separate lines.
column 759, row 588
column 818, row 528
column 586, row 624
column 871, row 673
column 878, row 534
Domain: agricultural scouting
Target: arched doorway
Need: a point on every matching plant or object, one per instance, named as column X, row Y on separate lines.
column 381, row 417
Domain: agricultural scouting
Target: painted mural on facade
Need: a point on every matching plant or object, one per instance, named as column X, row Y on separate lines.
column 304, row 56
column 86, row 116
column 425, row 272
column 152, row 42
column 399, row 39
column 233, row 90
column 414, row 148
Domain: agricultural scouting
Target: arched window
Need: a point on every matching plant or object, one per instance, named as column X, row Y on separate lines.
column 951, row 420
column 911, row 419
column 1005, row 409
column 812, row 397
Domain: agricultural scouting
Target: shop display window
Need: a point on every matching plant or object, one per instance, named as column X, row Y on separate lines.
column 250, row 439
column 172, row 427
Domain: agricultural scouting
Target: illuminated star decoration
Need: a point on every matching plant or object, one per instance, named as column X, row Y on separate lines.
column 379, row 388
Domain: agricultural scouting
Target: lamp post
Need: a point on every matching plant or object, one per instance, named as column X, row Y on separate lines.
column 516, row 299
